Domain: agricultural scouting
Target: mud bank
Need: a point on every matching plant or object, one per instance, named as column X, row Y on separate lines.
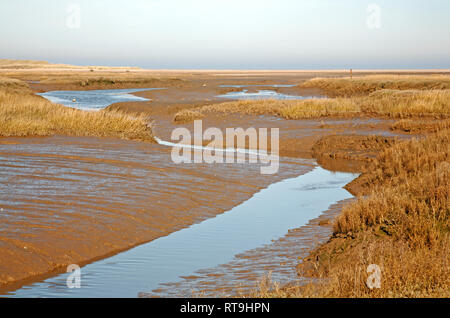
column 266, row 216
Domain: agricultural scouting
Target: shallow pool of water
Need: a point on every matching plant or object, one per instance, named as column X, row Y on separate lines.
column 266, row 216
column 261, row 94
column 95, row 99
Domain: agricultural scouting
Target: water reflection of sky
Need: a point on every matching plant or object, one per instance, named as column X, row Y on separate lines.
column 94, row 99
column 262, row 94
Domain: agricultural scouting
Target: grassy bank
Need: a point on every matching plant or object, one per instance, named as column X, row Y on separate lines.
column 386, row 103
column 25, row 114
column 363, row 85
column 10, row 85
column 402, row 225
column 420, row 126
column 400, row 222
column 83, row 81
column 351, row 147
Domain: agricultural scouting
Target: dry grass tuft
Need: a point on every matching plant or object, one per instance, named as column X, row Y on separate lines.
column 409, row 159
column 187, row 115
column 13, row 86
column 351, row 147
column 24, row 114
column 256, row 107
column 407, row 103
column 420, row 126
column 321, row 108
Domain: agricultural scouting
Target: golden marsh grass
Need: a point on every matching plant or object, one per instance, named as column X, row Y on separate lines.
column 401, row 225
column 387, row 103
column 25, row 114
column 363, row 85
column 400, row 220
column 108, row 80
column 420, row 126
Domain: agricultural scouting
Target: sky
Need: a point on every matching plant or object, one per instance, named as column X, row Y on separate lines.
column 229, row 34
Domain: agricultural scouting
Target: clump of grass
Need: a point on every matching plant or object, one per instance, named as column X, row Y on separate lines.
column 12, row 85
column 352, row 147
column 254, row 107
column 29, row 115
column 246, row 107
column 282, row 108
column 321, row 108
column 420, row 126
column 412, row 158
column 407, row 103
column 363, row 85
column 405, row 271
column 187, row 115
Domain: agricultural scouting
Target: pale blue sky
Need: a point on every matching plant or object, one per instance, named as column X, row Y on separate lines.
column 229, row 34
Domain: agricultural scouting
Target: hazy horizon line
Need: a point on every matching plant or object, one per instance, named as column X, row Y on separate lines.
column 216, row 69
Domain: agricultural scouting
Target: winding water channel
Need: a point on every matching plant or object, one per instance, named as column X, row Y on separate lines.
column 266, row 216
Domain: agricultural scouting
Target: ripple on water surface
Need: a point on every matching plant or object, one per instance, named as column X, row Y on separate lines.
column 266, row 216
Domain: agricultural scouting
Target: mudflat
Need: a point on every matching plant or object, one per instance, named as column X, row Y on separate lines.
column 74, row 200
